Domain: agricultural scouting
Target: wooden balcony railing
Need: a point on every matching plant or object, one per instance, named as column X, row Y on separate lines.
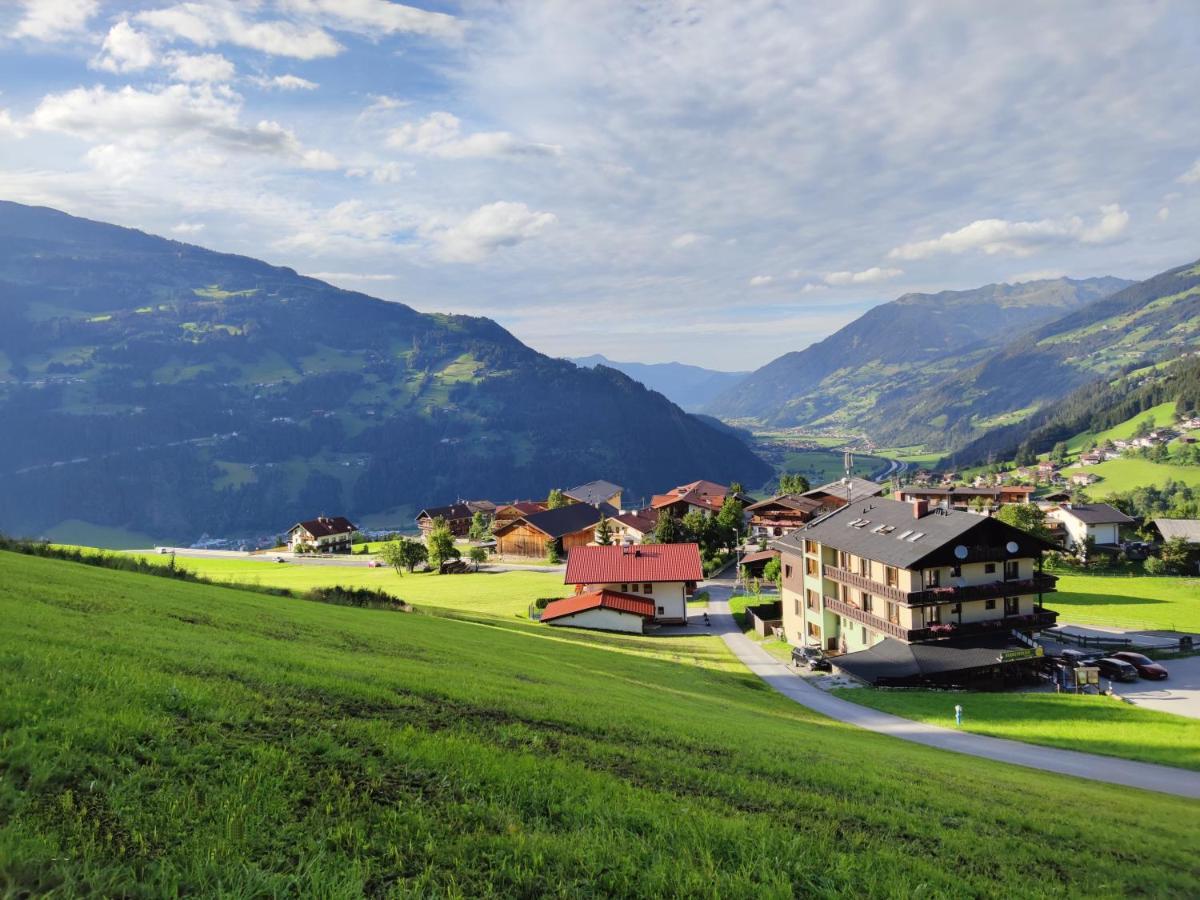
column 872, row 621
column 1038, row 584
column 864, row 583
column 1036, row 621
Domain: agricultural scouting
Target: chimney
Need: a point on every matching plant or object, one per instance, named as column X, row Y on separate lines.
column 920, row 508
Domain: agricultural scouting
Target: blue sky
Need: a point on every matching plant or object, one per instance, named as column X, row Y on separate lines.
column 716, row 183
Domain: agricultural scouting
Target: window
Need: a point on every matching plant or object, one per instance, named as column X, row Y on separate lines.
column 956, row 570
column 787, row 571
column 1012, row 570
column 864, row 634
column 660, row 610
column 934, row 616
column 990, row 604
column 633, row 589
column 814, row 630
column 647, row 588
column 864, row 567
column 989, row 568
column 1012, row 606
column 811, row 600
column 866, row 598
column 843, row 560
column 956, row 609
column 810, row 566
column 891, row 576
column 810, row 546
column 893, row 613
column 933, row 578
column 796, row 605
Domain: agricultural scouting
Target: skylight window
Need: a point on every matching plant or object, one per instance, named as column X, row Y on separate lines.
column 902, row 535
column 916, row 537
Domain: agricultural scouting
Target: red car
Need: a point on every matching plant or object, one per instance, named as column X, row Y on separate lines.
column 1146, row 667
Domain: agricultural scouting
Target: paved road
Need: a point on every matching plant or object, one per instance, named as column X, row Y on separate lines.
column 1164, row 779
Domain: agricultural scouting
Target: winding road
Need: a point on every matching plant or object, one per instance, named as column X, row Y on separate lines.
column 1164, row 779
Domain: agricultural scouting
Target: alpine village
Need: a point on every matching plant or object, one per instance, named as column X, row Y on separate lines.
column 586, row 450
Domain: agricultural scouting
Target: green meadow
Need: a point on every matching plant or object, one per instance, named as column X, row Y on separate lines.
column 1085, row 722
column 161, row 738
column 1128, row 601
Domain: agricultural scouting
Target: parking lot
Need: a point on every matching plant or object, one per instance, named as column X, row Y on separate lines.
column 1179, row 694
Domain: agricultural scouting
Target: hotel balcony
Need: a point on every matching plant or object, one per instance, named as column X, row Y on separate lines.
column 1038, row 584
column 1036, row 621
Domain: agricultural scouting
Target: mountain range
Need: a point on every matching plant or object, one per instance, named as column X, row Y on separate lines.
column 159, row 387
column 865, row 376
column 691, row 387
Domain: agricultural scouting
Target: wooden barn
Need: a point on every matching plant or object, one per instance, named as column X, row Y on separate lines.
column 570, row 526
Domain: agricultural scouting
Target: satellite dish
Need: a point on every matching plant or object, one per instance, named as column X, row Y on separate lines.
column 1012, row 547
column 960, row 552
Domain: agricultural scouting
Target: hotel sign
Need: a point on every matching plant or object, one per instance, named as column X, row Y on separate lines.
column 1027, row 653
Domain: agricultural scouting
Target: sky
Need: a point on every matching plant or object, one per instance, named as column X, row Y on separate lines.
column 710, row 182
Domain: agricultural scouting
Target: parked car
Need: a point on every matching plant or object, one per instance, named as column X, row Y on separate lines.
column 280, row 559
column 1146, row 667
column 1074, row 658
column 1116, row 669
column 811, row 657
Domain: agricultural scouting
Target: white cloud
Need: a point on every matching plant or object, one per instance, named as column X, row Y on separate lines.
column 352, row 276
column 1036, row 275
column 440, row 134
column 761, row 280
column 130, row 117
column 1192, row 175
column 286, row 83
column 219, row 21
column 873, row 275
column 377, row 16
column 384, row 173
column 1163, row 214
column 686, row 239
column 53, row 20
column 487, row 229
column 125, row 49
column 187, row 228
column 201, row 67
column 999, row 236
column 8, row 127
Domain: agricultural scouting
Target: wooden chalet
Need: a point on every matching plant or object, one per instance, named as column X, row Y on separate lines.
column 782, row 515
column 568, row 526
column 706, row 496
column 457, row 515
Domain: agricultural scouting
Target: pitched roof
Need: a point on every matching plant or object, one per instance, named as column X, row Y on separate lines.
column 463, row 510
column 1096, row 513
column 797, row 502
column 556, row 523
column 594, row 492
column 1188, row 529
column 895, row 659
column 888, row 531
column 859, row 489
column 325, row 526
column 603, row 599
column 706, row 494
column 962, row 491
column 642, row 520
column 760, row 556
column 648, row 562
column 523, row 507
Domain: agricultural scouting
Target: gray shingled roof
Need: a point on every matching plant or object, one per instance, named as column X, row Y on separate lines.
column 594, row 492
column 859, row 488
column 894, row 545
column 1096, row 513
column 1188, row 529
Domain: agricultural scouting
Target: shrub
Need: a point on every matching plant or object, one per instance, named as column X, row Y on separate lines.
column 1155, row 566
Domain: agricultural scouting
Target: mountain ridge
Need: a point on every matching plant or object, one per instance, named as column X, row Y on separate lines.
column 691, row 387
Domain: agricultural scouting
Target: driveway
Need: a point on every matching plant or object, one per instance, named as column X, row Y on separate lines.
column 1179, row 694
column 1164, row 779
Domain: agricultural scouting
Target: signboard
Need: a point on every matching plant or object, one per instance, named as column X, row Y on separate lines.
column 1087, row 675
column 1027, row 653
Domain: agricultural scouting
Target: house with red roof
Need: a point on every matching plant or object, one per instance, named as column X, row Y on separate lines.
column 324, row 534
column 627, row 587
column 706, row 496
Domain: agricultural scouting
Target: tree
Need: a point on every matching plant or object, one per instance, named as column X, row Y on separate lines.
column 1154, row 566
column 604, row 534
column 553, row 552
column 477, row 555
column 667, row 530
column 1059, row 453
column 439, row 543
column 1176, row 556
column 730, row 520
column 793, row 483
column 481, row 527
column 1026, row 516
column 555, row 499
column 773, row 572
column 698, row 527
column 391, row 554
column 735, row 487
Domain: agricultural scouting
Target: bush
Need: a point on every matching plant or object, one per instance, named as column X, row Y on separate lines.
column 363, row 598
column 1155, row 566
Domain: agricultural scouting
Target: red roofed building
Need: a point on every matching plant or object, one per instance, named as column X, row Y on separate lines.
column 602, row 611
column 707, row 496
column 662, row 573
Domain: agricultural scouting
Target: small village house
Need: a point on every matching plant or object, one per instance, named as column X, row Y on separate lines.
column 633, row 527
column 595, row 493
column 967, row 498
column 508, row 512
column 706, row 496
column 324, row 534
column 1188, row 529
column 568, row 527
column 838, row 493
column 627, row 587
column 1099, row 521
column 782, row 514
column 458, row 516
column 912, row 595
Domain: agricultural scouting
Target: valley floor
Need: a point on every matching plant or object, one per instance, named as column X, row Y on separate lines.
column 327, row 750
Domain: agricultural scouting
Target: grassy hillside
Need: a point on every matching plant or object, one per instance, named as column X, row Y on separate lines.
column 1120, row 475
column 1163, row 415
column 163, row 738
column 1128, row 601
column 1089, row 723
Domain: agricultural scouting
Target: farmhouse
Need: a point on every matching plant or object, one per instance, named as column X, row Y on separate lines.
column 706, row 496
column 324, row 534
column 845, row 490
column 457, row 515
column 633, row 527
column 508, row 512
column 602, row 611
column 913, row 595
column 1188, row 529
column 782, row 514
column 568, row 527
column 1098, row 521
column 596, row 492
column 662, row 573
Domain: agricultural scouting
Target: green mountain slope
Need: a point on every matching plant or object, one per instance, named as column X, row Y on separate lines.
column 692, row 387
column 1153, row 321
column 164, row 738
column 863, row 375
column 171, row 390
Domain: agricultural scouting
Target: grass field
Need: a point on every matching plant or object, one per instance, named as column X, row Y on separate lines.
column 1127, row 473
column 76, row 531
column 1128, row 601
column 1084, row 722
column 490, row 593
column 162, row 738
column 1163, row 414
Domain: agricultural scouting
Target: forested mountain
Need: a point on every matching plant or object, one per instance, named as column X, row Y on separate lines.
column 692, row 387
column 164, row 388
column 865, row 375
column 1153, row 321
